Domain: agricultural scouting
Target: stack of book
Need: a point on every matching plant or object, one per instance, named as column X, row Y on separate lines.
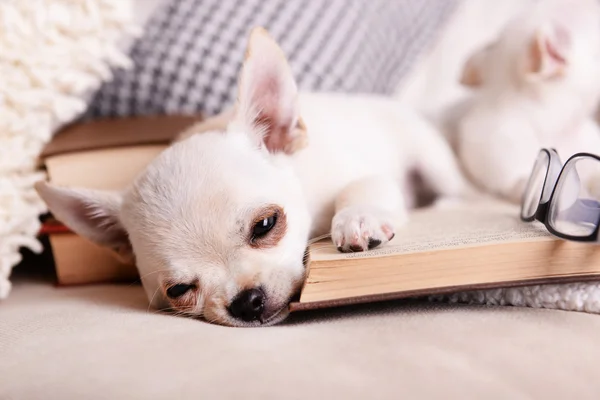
column 104, row 154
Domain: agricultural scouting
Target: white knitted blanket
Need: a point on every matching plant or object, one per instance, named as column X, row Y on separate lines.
column 582, row 297
column 53, row 54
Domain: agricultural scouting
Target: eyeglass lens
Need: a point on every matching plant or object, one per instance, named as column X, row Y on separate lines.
column 575, row 208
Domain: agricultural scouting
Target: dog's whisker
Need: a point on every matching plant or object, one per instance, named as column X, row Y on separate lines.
column 139, row 279
column 157, row 312
column 152, row 299
column 154, row 272
column 317, row 238
column 323, row 247
column 180, row 314
column 212, row 320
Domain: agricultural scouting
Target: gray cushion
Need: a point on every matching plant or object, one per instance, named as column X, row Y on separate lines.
column 189, row 57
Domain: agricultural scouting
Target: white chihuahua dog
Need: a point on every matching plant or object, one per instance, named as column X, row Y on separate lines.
column 218, row 224
column 536, row 86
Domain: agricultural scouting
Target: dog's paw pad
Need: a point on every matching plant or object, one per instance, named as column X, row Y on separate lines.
column 356, row 229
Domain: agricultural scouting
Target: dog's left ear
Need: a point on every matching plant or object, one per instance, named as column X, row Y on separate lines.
column 267, row 104
column 93, row 214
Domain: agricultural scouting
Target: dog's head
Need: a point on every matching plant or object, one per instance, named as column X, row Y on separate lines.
column 217, row 223
column 554, row 44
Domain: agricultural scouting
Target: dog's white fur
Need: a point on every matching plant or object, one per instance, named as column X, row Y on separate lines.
column 333, row 163
column 536, row 86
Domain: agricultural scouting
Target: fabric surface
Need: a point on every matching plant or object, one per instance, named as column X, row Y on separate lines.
column 101, row 342
column 54, row 53
column 189, row 57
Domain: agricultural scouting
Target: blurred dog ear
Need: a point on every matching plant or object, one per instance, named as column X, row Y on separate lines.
column 548, row 52
column 472, row 72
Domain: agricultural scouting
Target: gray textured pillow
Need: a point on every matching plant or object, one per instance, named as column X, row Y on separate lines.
column 189, row 57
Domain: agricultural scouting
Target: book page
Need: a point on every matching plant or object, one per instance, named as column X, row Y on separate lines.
column 448, row 227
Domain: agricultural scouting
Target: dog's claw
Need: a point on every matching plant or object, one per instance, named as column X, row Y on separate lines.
column 389, row 232
column 356, row 248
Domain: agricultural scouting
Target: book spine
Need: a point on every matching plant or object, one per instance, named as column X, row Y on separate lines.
column 52, row 228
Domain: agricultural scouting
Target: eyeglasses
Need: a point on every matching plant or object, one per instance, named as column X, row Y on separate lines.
column 562, row 196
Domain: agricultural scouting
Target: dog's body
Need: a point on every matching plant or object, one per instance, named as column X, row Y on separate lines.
column 536, row 86
column 362, row 138
column 218, row 224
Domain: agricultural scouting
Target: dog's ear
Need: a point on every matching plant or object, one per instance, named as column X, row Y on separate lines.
column 472, row 72
column 548, row 52
column 267, row 104
column 92, row 214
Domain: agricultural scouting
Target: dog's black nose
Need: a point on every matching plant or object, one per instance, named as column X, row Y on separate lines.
column 248, row 305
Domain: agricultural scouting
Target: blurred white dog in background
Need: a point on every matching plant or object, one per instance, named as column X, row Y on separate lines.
column 537, row 85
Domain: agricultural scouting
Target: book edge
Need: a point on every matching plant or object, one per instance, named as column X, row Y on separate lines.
column 375, row 298
column 78, row 130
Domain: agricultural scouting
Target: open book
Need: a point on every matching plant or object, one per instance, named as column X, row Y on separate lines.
column 447, row 249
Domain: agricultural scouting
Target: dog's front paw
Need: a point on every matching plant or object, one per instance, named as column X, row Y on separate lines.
column 361, row 228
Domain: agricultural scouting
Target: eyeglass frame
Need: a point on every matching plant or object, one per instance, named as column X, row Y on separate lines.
column 542, row 210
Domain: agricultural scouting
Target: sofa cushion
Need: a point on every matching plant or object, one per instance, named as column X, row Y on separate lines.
column 189, row 57
column 102, row 342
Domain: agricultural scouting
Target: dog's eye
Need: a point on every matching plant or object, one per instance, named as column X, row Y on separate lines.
column 264, row 226
column 179, row 290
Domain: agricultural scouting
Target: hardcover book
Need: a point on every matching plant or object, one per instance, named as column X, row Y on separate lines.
column 445, row 249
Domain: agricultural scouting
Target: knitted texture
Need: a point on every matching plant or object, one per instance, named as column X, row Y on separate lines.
column 55, row 53
column 582, row 296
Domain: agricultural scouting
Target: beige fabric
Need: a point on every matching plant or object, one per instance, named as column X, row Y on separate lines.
column 101, row 342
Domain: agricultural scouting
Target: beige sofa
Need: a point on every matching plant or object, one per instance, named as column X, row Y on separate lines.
column 102, row 341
